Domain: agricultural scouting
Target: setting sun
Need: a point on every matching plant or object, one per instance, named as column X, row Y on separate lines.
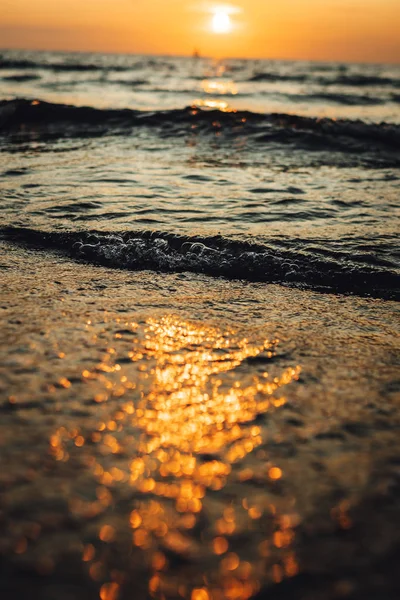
column 221, row 22
column 301, row 29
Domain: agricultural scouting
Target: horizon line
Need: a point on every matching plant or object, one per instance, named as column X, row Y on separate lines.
column 207, row 57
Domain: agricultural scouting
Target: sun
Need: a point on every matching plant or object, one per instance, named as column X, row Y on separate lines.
column 221, row 22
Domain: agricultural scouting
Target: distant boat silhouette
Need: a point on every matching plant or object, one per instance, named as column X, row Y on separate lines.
column 196, row 53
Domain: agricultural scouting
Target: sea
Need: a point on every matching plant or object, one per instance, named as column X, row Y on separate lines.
column 200, row 272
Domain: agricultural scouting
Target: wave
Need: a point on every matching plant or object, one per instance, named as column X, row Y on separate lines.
column 359, row 80
column 21, row 77
column 129, row 83
column 354, row 80
column 69, row 66
column 345, row 99
column 272, row 77
column 23, row 115
column 347, row 267
column 22, row 64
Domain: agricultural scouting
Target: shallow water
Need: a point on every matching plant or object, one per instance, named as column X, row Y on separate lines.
column 199, row 351
column 178, row 436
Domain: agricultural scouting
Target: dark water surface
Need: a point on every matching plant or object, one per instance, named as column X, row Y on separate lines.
column 200, row 394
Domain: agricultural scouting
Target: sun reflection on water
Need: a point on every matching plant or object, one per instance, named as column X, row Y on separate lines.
column 213, row 104
column 179, row 418
column 215, row 86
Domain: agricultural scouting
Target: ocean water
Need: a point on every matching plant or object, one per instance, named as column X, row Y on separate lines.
column 199, row 358
column 283, row 172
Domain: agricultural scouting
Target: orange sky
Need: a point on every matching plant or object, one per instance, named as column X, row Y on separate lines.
column 346, row 30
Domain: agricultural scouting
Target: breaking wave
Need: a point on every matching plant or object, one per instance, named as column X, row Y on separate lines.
column 354, row 267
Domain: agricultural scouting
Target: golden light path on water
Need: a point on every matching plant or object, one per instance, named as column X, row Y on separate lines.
column 178, row 421
column 215, row 86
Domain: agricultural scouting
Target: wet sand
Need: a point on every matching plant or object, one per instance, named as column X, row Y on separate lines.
column 178, row 436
